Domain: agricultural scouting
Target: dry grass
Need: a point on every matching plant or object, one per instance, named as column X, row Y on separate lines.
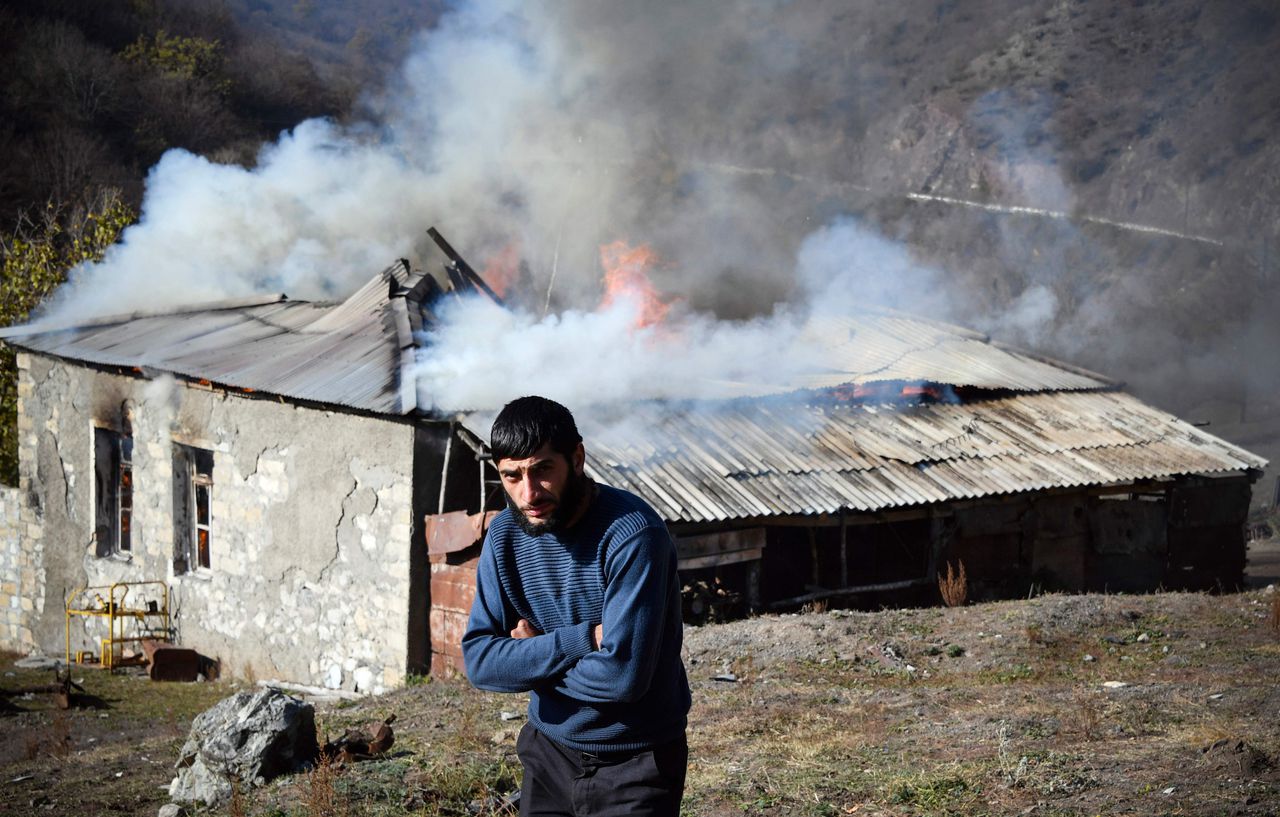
column 1273, row 620
column 954, row 586
column 319, row 794
column 1000, row 716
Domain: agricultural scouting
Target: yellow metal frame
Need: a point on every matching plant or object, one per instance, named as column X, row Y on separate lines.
column 89, row 602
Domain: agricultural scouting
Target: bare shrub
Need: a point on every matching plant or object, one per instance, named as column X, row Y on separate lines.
column 236, row 807
column 1274, row 619
column 954, row 586
column 815, row 606
column 319, row 795
column 1085, row 717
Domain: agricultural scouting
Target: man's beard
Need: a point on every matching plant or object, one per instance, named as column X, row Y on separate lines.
column 575, row 489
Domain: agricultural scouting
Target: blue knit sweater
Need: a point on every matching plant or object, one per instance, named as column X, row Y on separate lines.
column 616, row 566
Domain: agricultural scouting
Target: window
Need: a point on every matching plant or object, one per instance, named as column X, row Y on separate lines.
column 113, row 497
column 192, row 508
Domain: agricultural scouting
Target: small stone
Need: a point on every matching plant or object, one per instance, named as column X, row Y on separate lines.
column 1170, row 790
column 170, row 810
column 727, row 677
column 510, row 716
column 1143, row 637
column 1115, row 684
column 1089, row 659
column 1217, row 696
column 364, row 678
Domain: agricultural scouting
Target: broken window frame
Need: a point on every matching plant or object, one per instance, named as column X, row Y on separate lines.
column 193, row 509
column 113, row 484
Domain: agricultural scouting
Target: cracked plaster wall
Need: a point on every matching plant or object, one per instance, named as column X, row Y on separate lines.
column 310, row 534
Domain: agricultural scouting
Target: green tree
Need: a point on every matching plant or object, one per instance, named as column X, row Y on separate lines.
column 185, row 58
column 37, row 256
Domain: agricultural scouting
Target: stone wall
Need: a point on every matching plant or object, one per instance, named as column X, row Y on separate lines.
column 310, row 532
column 12, row 565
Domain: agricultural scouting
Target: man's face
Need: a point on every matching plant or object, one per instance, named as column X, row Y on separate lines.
column 545, row 489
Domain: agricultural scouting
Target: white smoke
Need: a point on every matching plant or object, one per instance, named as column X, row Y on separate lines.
column 326, row 206
column 480, row 355
column 318, row 212
column 734, row 137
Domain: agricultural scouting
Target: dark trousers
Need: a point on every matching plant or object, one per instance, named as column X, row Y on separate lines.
column 567, row 783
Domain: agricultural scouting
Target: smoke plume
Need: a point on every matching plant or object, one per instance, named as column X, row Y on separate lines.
column 782, row 157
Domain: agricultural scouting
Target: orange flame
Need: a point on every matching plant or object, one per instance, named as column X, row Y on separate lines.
column 626, row 277
column 502, row 269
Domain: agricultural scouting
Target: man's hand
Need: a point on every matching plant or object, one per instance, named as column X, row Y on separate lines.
column 524, row 630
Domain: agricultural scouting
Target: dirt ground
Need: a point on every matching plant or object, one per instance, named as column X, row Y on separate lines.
column 1057, row 705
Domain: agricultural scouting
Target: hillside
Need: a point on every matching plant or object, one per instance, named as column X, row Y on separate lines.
column 1059, row 705
column 1097, row 181
column 1094, row 180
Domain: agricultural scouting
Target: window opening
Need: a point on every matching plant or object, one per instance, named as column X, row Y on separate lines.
column 113, row 481
column 193, row 508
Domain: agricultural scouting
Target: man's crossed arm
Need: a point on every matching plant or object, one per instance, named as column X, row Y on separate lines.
column 504, row 658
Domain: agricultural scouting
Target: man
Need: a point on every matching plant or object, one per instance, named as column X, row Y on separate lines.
column 578, row 603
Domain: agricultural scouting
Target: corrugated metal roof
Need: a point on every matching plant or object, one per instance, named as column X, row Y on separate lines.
column 776, row 458
column 347, row 354
column 883, row 345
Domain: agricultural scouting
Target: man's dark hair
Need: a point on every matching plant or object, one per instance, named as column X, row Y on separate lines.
column 527, row 423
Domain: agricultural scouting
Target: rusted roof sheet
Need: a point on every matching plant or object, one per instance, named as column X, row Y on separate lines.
column 349, row 354
column 778, row 458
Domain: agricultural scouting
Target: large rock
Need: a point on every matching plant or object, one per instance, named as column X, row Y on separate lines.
column 248, row 738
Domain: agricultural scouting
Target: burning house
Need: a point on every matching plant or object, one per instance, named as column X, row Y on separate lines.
column 273, row 464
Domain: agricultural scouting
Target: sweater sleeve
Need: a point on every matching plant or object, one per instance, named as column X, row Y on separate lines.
column 498, row 663
column 639, row 576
